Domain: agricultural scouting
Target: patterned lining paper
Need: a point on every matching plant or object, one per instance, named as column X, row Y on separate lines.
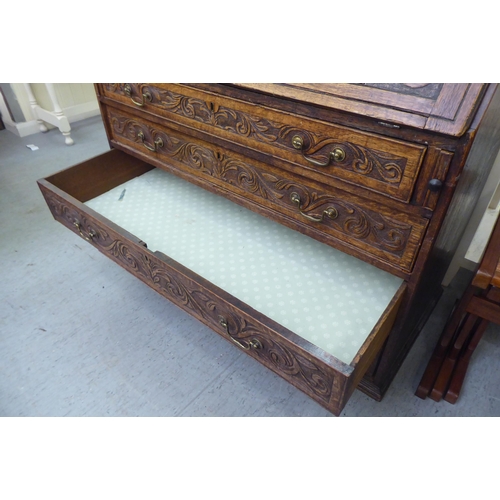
column 325, row 296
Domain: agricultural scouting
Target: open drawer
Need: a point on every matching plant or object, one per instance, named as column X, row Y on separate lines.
column 314, row 315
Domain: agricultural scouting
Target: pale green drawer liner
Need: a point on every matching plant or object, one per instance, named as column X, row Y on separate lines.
column 325, row 296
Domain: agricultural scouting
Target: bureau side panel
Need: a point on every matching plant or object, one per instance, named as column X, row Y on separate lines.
column 470, row 167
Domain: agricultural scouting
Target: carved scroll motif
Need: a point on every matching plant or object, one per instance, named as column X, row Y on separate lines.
column 356, row 221
column 190, row 296
column 382, row 166
column 366, row 161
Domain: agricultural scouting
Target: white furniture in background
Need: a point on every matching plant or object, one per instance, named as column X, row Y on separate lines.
column 56, row 117
column 76, row 101
column 478, row 230
column 483, row 232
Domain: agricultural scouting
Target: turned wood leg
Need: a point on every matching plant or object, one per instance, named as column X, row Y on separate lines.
column 63, row 123
column 466, row 329
column 445, row 342
column 458, row 377
column 34, row 107
column 446, row 370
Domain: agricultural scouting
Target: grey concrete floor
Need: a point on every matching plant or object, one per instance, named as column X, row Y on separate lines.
column 79, row 336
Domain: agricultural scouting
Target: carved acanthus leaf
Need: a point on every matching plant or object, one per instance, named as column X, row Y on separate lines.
column 191, row 296
column 354, row 220
column 384, row 167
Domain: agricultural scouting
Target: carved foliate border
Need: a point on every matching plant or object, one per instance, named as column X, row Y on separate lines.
column 364, row 225
column 190, row 296
column 381, row 166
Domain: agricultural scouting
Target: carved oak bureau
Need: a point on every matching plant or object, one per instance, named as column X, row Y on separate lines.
column 308, row 224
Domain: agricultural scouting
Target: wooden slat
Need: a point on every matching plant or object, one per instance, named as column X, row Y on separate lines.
column 496, row 276
column 458, row 125
column 404, row 102
column 485, row 309
column 85, row 180
column 460, row 371
column 449, row 100
column 445, row 342
column 449, row 113
column 341, row 103
column 489, row 266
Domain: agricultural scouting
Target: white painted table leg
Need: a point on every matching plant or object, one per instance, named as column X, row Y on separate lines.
column 62, row 120
column 34, row 106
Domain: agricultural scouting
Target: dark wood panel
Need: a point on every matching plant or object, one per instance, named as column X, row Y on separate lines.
column 465, row 180
column 380, row 164
column 394, row 95
column 362, row 122
column 440, row 113
column 373, row 228
column 85, row 181
column 488, row 270
column 442, row 119
column 485, row 309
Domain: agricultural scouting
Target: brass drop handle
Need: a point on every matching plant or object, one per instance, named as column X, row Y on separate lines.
column 331, row 212
column 145, row 95
column 157, row 144
column 251, row 344
column 338, row 154
column 89, row 236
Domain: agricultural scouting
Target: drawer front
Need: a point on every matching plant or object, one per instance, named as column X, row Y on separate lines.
column 314, row 148
column 331, row 215
column 323, row 377
column 254, row 334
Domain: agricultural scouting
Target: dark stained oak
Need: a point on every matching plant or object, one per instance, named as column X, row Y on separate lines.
column 449, row 110
column 392, row 235
column 378, row 163
column 320, row 375
column 480, row 304
column 387, row 173
column 85, row 181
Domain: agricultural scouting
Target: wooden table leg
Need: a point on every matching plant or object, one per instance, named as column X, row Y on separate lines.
column 445, row 341
column 458, row 376
column 465, row 330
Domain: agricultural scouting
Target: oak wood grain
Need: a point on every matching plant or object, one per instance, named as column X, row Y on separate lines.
column 433, row 126
column 318, row 374
column 383, row 165
column 394, row 106
column 378, row 230
column 85, row 181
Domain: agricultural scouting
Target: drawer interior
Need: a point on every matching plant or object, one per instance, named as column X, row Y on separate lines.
column 329, row 298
